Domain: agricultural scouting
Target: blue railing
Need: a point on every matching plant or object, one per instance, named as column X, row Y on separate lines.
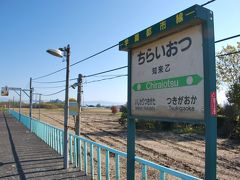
column 22, row 118
column 86, row 149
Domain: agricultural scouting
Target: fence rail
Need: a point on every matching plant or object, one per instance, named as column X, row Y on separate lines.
column 82, row 151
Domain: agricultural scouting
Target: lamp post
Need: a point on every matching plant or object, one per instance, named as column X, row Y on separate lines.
column 30, row 104
column 64, row 52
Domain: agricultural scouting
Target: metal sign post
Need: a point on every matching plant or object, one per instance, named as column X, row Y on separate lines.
column 171, row 77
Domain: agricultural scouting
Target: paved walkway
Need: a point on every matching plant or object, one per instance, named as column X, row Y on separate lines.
column 24, row 156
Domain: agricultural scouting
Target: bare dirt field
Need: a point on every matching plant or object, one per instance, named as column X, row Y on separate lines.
column 183, row 152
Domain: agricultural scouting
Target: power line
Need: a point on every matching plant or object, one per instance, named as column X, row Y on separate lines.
column 103, row 72
column 109, row 49
column 94, row 55
column 227, row 54
column 110, row 75
column 207, row 3
column 105, row 79
column 85, row 83
column 220, row 40
column 50, row 82
column 77, row 62
column 40, row 82
column 48, row 87
column 49, row 74
column 54, row 93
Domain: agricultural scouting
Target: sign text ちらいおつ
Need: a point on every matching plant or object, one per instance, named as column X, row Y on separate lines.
column 172, row 77
column 167, row 76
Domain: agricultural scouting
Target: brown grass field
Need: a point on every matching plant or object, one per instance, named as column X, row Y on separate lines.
column 183, row 152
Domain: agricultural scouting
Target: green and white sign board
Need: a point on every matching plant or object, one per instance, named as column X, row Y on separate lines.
column 4, row 91
column 73, row 108
column 171, row 77
column 167, row 76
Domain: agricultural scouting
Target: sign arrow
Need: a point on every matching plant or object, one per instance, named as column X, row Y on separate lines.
column 175, row 82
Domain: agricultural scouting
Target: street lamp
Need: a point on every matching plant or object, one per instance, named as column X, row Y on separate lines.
column 64, row 52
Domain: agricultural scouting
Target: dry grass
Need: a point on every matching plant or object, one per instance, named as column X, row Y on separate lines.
column 183, row 152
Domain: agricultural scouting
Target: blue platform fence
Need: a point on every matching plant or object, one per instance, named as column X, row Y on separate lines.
column 88, row 149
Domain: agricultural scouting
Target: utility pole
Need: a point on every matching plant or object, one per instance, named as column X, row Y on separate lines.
column 78, row 118
column 66, row 109
column 39, row 112
column 79, row 93
column 20, row 104
column 30, row 104
column 64, row 52
column 13, row 103
column 20, row 99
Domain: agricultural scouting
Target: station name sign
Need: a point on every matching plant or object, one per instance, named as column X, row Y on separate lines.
column 172, row 77
column 73, row 108
column 4, row 91
column 167, row 67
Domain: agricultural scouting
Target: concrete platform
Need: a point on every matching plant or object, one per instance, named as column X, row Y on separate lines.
column 24, row 156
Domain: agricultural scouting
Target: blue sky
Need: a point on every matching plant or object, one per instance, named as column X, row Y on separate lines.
column 29, row 28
